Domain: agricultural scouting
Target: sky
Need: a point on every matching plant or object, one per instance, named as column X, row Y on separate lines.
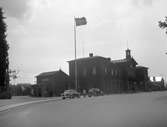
column 40, row 33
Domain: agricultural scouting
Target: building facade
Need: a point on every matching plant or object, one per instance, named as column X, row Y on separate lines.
column 52, row 83
column 111, row 76
column 157, row 84
column 95, row 72
column 142, row 78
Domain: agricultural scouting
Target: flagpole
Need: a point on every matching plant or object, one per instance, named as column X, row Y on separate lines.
column 75, row 47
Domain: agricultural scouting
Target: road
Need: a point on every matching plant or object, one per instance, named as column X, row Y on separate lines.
column 125, row 110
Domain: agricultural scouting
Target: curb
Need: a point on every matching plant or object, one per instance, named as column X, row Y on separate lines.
column 7, row 107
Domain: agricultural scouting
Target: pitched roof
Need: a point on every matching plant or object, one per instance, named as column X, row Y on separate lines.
column 88, row 58
column 141, row 67
column 121, row 61
column 50, row 73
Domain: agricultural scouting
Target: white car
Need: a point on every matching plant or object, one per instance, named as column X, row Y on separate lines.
column 70, row 94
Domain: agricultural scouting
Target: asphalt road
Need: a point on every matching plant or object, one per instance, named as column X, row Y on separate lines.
column 125, row 110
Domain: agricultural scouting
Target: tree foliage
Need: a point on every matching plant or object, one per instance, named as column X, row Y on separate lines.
column 163, row 24
column 4, row 62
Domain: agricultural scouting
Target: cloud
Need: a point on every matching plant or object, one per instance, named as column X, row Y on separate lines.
column 142, row 2
column 16, row 8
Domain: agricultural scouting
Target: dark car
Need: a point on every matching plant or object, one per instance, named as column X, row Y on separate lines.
column 95, row 92
column 70, row 94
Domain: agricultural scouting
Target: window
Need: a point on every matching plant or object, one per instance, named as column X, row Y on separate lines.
column 119, row 73
column 112, row 72
column 115, row 72
column 45, row 80
column 131, row 66
column 84, row 72
column 94, row 71
column 105, row 70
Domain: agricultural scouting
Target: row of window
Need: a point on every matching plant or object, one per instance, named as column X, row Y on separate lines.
column 113, row 72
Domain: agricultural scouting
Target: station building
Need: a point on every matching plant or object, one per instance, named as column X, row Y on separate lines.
column 111, row 76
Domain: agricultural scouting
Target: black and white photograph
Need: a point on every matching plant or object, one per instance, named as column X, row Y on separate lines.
column 83, row 63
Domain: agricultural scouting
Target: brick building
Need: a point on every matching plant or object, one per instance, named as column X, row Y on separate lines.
column 142, row 78
column 52, row 83
column 110, row 76
column 157, row 83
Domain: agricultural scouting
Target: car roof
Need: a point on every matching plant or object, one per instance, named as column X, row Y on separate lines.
column 69, row 90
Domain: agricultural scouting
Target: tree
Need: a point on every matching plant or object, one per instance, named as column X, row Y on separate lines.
column 13, row 75
column 163, row 24
column 4, row 61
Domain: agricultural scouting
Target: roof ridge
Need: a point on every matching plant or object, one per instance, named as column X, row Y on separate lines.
column 48, row 73
column 86, row 58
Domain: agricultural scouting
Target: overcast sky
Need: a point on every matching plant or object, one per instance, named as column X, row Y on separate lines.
column 40, row 33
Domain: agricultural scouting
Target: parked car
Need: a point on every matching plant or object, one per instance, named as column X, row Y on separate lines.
column 95, row 92
column 70, row 94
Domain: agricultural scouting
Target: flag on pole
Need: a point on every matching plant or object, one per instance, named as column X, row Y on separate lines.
column 80, row 21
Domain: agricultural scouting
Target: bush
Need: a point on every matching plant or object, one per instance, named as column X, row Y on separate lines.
column 5, row 95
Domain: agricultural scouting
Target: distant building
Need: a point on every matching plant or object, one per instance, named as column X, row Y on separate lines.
column 157, row 83
column 110, row 76
column 52, row 83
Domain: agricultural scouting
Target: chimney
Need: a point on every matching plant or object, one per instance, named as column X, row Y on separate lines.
column 90, row 54
column 109, row 59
